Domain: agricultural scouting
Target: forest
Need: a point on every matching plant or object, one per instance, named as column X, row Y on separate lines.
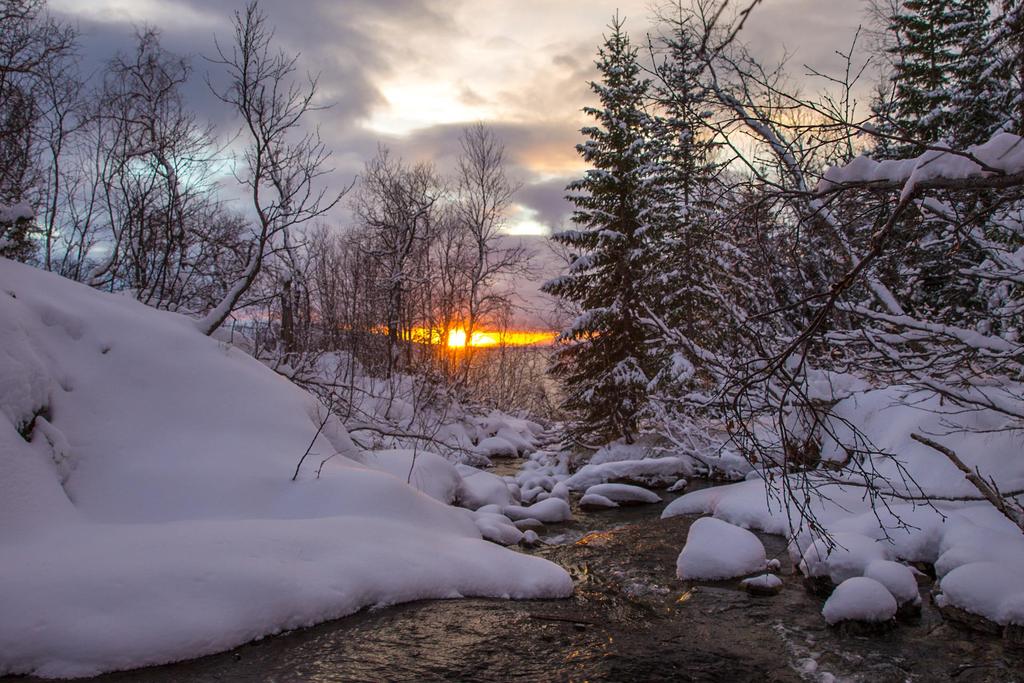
column 778, row 359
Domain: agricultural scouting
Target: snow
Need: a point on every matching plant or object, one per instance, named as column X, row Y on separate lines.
column 425, row 471
column 496, row 447
column 717, row 550
column 152, row 517
column 990, row 589
column 624, row 493
column 949, row 535
column 1004, row 152
column 651, row 470
column 595, row 501
column 897, row 578
column 764, row 582
column 481, row 488
column 549, row 511
column 11, row 213
column 859, row 599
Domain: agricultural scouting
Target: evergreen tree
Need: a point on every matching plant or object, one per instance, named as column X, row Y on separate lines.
column 685, row 252
column 604, row 363
column 942, row 83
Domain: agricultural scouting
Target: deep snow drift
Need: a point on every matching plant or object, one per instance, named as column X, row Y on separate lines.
column 146, row 508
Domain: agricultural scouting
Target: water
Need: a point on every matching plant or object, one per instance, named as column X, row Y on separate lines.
column 630, row 619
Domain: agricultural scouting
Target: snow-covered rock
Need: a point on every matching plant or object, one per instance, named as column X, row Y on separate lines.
column 897, row 578
column 549, row 511
column 624, row 494
column 763, row 584
column 481, row 488
column 650, row 471
column 147, row 508
column 859, row 599
column 497, row 528
column 988, row 589
column 496, row 447
column 718, row 550
column 594, row 501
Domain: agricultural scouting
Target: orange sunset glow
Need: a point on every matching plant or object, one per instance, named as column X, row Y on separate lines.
column 458, row 338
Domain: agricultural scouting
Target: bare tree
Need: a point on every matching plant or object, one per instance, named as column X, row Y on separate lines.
column 284, row 162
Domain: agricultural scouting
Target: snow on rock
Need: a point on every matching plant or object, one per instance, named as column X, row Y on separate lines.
column 624, row 494
column 859, row 599
column 594, row 501
column 150, row 514
column 764, row 584
column 497, row 528
column 652, row 471
column 848, row 557
column 678, row 486
column 530, row 538
column 481, row 488
column 717, row 550
column 989, row 589
column 897, row 578
column 496, row 447
column 549, row 511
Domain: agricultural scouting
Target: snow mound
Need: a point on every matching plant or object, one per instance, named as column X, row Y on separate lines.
column 989, row 589
column 624, row 494
column 897, row 578
column 481, row 488
column 718, row 550
column 496, row 447
column 859, row 599
column 595, row 501
column 147, row 508
column 425, row 471
column 653, row 471
column 549, row 511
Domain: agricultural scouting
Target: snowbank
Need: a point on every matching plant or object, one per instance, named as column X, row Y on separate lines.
column 147, row 512
column 954, row 536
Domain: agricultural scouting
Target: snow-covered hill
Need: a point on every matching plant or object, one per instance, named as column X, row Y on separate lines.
column 147, row 512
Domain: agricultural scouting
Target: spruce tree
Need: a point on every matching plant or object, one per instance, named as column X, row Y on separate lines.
column 940, row 79
column 603, row 362
column 685, row 252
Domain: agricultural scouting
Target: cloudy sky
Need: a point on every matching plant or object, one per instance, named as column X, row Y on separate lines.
column 411, row 73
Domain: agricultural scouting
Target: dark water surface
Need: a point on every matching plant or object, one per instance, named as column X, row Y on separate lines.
column 629, row 620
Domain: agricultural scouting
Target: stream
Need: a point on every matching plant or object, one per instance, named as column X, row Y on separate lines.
column 629, row 619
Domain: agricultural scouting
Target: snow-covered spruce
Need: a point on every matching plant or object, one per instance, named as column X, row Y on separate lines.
column 717, row 550
column 145, row 484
